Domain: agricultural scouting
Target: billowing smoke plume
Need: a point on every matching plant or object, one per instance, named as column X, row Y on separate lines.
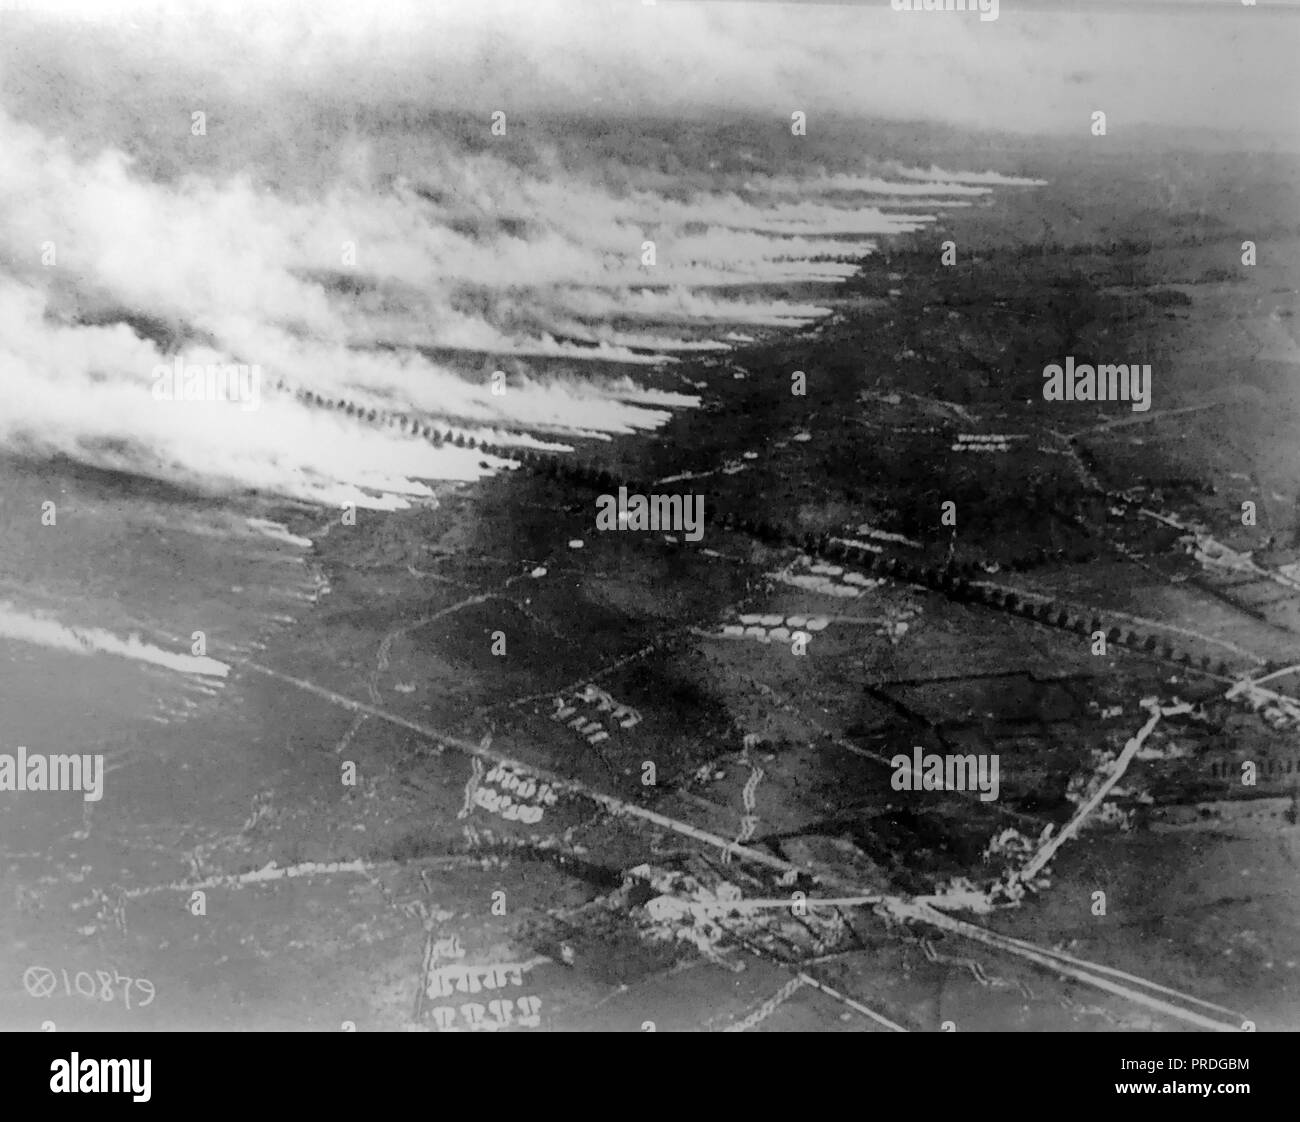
column 439, row 214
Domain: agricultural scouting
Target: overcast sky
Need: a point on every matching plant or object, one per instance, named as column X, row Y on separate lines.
column 1039, row 67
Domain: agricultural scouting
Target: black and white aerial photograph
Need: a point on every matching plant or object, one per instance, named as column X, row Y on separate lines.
column 629, row 516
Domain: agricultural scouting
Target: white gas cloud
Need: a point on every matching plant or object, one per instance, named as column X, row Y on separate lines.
column 330, row 224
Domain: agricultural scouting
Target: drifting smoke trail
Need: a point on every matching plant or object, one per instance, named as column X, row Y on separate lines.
column 393, row 282
column 238, row 274
column 599, row 333
column 680, row 305
column 226, row 274
column 989, row 178
column 849, row 183
column 93, row 640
